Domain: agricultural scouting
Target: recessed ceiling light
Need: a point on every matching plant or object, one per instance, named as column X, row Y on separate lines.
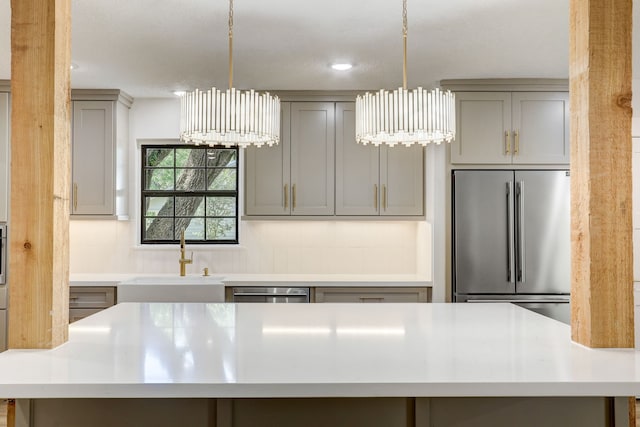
column 179, row 92
column 73, row 66
column 341, row 67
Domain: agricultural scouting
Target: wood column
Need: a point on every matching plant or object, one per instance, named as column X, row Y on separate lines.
column 601, row 228
column 38, row 271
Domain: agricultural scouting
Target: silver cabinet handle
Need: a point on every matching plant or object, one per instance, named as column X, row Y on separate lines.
column 75, row 196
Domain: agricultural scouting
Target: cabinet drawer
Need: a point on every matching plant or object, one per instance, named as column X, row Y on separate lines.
column 81, row 313
column 92, row 297
column 373, row 295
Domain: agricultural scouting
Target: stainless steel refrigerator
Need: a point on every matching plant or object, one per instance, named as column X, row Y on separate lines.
column 510, row 239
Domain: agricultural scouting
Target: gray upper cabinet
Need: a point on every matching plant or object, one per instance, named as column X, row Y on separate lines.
column 4, row 158
column 511, row 128
column 375, row 180
column 297, row 176
column 99, row 167
column 268, row 173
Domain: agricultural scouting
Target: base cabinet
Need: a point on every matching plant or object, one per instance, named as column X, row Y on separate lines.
column 321, row 412
column 373, row 294
column 87, row 300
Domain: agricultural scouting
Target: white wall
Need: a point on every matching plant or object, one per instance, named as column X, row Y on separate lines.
column 366, row 247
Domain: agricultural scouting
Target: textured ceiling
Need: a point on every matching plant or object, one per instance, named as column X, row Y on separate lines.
column 149, row 48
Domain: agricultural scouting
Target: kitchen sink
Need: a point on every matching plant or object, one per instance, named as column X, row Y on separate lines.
column 167, row 288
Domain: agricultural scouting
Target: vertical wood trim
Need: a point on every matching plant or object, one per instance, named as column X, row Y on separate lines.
column 40, row 173
column 601, row 229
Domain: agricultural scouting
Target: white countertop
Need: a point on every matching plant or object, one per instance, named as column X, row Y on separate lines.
column 318, row 350
column 266, row 279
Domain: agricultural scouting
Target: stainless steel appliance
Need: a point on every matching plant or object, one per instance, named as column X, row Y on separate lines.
column 3, row 287
column 511, row 239
column 273, row 294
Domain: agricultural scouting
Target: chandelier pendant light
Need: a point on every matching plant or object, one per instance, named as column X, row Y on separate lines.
column 402, row 116
column 232, row 117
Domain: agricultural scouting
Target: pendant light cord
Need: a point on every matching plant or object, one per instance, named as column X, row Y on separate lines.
column 231, row 44
column 405, row 28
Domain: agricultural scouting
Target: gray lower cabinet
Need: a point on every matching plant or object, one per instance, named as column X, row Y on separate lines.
column 3, row 330
column 372, row 294
column 87, row 300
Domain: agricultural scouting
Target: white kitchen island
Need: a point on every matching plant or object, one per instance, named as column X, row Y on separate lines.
column 320, row 364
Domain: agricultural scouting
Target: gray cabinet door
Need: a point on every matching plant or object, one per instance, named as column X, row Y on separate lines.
column 402, row 180
column 357, row 168
column 93, row 191
column 3, row 330
column 540, row 127
column 483, row 232
column 267, row 173
column 543, row 231
column 483, row 133
column 4, row 157
column 312, row 158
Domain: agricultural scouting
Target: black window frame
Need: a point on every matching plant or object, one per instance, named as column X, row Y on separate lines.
column 182, row 193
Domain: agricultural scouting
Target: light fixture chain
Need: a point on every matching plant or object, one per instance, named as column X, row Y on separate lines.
column 230, row 44
column 405, row 29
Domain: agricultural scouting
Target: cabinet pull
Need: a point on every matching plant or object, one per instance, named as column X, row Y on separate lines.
column 507, row 142
column 517, row 147
column 293, row 196
column 384, row 197
column 75, row 197
column 286, row 196
column 375, row 197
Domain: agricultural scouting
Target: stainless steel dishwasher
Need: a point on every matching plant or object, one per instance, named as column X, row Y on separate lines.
column 273, row 294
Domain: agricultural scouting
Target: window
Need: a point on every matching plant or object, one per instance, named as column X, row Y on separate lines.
column 190, row 189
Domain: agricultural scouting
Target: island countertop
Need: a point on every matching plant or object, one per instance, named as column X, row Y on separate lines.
column 137, row 350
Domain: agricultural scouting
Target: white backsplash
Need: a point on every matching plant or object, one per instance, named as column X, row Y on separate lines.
column 322, row 247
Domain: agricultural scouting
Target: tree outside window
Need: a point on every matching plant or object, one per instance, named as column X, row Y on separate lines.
column 192, row 189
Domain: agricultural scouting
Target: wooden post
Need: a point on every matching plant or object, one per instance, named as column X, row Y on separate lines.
column 38, row 271
column 601, row 229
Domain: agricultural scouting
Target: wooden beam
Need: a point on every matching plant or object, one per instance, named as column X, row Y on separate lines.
column 601, row 228
column 40, row 173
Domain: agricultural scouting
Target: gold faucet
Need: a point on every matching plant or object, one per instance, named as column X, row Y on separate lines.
column 183, row 260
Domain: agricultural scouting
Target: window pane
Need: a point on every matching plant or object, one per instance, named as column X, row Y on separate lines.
column 157, row 157
column 222, row 179
column 190, row 180
column 221, row 228
column 195, row 230
column 190, row 206
column 158, row 179
column 221, row 157
column 158, row 206
column 190, row 157
column 159, row 229
column 221, row 206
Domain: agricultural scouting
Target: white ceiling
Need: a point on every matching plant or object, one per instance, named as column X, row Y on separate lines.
column 149, row 48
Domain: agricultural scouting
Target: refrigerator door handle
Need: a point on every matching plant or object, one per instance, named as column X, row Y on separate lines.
column 510, row 245
column 520, row 231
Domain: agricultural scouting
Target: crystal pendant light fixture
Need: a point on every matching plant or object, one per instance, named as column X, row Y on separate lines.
column 232, row 117
column 402, row 116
